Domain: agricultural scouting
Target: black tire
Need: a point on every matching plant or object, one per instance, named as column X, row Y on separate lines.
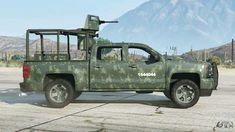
column 63, row 93
column 76, row 94
column 167, row 94
column 189, row 93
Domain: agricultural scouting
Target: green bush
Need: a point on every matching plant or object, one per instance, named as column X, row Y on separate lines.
column 19, row 58
column 102, row 41
column 11, row 63
column 215, row 59
column 229, row 65
column 2, row 64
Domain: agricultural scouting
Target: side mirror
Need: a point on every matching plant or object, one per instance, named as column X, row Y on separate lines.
column 157, row 58
column 153, row 58
column 149, row 57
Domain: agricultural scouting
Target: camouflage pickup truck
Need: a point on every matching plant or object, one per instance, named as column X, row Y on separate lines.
column 63, row 71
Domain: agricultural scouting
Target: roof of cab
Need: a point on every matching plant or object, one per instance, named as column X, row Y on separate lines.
column 124, row 43
column 61, row 31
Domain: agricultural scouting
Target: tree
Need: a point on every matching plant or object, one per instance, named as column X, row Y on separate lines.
column 215, row 59
column 104, row 41
column 19, row 58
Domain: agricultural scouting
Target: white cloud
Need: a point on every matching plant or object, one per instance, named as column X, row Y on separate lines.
column 173, row 2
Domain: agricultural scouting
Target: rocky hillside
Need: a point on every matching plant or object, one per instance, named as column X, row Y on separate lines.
column 11, row 43
column 224, row 52
column 17, row 45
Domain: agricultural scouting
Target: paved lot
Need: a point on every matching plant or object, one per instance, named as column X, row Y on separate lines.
column 124, row 111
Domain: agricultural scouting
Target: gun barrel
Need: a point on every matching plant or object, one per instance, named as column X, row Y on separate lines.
column 102, row 22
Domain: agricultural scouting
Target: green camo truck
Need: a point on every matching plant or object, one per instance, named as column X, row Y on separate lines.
column 63, row 71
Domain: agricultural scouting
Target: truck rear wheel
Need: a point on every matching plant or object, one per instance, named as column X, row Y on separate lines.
column 185, row 93
column 59, row 93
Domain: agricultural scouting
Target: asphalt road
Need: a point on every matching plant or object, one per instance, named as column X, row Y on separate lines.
column 122, row 111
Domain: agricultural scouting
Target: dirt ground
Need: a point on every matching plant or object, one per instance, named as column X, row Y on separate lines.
column 122, row 111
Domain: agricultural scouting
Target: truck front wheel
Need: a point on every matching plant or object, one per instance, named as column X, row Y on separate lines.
column 59, row 93
column 185, row 93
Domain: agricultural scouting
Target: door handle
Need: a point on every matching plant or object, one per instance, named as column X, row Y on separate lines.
column 97, row 66
column 132, row 66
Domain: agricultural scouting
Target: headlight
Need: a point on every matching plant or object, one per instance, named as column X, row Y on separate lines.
column 209, row 71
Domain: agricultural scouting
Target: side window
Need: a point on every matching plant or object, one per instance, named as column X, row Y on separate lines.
column 140, row 55
column 136, row 55
column 109, row 54
column 77, row 52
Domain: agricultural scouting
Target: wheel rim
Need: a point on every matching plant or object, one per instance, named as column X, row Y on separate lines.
column 185, row 93
column 58, row 93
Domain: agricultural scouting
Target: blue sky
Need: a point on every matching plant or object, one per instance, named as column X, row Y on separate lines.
column 19, row 15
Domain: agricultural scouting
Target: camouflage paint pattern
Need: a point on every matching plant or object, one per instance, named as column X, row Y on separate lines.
column 199, row 68
column 100, row 75
column 39, row 70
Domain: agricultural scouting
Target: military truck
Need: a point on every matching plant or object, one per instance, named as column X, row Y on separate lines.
column 63, row 72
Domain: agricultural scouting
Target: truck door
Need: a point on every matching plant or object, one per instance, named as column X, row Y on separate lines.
column 107, row 68
column 146, row 70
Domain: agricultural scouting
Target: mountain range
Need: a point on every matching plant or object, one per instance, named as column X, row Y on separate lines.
column 224, row 52
column 16, row 45
column 185, row 24
column 11, row 44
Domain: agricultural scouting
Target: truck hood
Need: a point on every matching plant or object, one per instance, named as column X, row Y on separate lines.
column 186, row 66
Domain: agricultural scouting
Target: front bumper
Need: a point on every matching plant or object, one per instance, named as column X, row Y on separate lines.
column 210, row 84
column 205, row 92
column 215, row 75
column 207, row 86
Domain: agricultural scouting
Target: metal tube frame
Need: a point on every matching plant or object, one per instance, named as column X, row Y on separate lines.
column 232, row 52
column 42, row 47
column 68, row 45
column 59, row 32
column 58, row 45
column 27, row 45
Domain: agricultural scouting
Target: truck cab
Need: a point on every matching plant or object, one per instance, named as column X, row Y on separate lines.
column 70, row 69
column 128, row 67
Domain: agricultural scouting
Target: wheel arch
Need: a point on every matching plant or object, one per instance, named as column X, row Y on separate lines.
column 52, row 76
column 195, row 77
